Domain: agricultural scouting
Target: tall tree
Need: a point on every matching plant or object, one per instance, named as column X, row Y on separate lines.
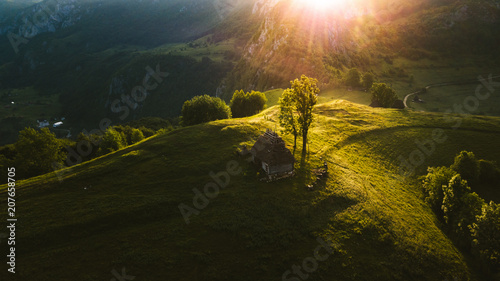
column 287, row 117
column 305, row 91
column 36, row 152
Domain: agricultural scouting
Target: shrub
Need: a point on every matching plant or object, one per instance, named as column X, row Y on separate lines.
column 111, row 141
column 202, row 109
column 243, row 105
column 353, row 78
column 383, row 94
column 36, row 152
column 368, row 80
column 136, row 136
column 486, row 238
column 434, row 181
column 467, row 166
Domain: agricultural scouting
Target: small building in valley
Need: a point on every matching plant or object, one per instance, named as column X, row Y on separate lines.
column 271, row 154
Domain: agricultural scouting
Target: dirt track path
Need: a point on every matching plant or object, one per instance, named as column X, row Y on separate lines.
column 466, row 82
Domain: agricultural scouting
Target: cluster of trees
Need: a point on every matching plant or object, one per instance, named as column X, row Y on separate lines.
column 33, row 153
column 247, row 104
column 353, row 78
column 38, row 152
column 203, row 109
column 470, row 222
column 296, row 106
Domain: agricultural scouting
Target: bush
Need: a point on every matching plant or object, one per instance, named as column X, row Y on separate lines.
column 130, row 135
column 153, row 123
column 472, row 224
column 136, row 136
column 467, row 166
column 382, row 94
column 112, row 141
column 243, row 105
column 433, row 186
column 149, row 132
column 202, row 109
column 486, row 238
column 353, row 78
column 368, row 80
column 36, row 152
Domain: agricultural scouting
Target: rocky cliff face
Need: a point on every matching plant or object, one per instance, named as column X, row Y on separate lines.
column 47, row 16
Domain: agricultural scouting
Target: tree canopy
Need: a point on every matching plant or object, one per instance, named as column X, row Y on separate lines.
column 368, row 80
column 247, row 104
column 287, row 118
column 384, row 95
column 353, row 78
column 202, row 109
column 297, row 104
column 36, row 152
column 472, row 224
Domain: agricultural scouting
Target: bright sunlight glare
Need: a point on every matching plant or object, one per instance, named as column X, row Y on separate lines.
column 323, row 4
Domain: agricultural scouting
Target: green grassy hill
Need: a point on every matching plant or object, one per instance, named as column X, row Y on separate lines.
column 121, row 210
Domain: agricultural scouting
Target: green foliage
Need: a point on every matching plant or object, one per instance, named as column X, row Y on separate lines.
column 136, row 136
column 370, row 216
column 147, row 132
column 90, row 142
column 112, row 141
column 489, row 173
column 4, row 164
column 153, row 123
column 368, row 80
column 486, row 237
column 287, row 117
column 383, row 94
column 353, row 78
column 243, row 105
column 436, row 178
column 467, row 166
column 130, row 135
column 469, row 221
column 452, row 198
column 304, row 96
column 37, row 152
column 202, row 109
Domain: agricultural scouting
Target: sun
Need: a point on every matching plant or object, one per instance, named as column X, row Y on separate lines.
column 323, row 5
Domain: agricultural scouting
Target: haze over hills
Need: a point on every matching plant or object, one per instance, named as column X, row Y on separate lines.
column 82, row 55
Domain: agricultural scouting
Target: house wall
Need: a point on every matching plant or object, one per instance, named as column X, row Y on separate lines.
column 280, row 169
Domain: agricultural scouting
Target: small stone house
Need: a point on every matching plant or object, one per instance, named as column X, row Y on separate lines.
column 270, row 153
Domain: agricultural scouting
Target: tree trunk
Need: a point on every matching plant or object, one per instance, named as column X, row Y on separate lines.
column 304, row 141
column 294, row 140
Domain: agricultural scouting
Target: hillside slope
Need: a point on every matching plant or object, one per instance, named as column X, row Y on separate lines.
column 122, row 210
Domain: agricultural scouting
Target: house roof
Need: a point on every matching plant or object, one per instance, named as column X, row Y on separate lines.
column 271, row 149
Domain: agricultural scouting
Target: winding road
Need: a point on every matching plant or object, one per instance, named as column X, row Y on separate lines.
column 466, row 82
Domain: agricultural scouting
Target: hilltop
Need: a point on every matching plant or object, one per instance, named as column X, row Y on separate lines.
column 122, row 209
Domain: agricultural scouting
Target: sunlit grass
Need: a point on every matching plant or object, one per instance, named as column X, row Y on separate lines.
column 129, row 216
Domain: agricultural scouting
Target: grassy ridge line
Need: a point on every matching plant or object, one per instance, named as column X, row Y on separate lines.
column 140, row 186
